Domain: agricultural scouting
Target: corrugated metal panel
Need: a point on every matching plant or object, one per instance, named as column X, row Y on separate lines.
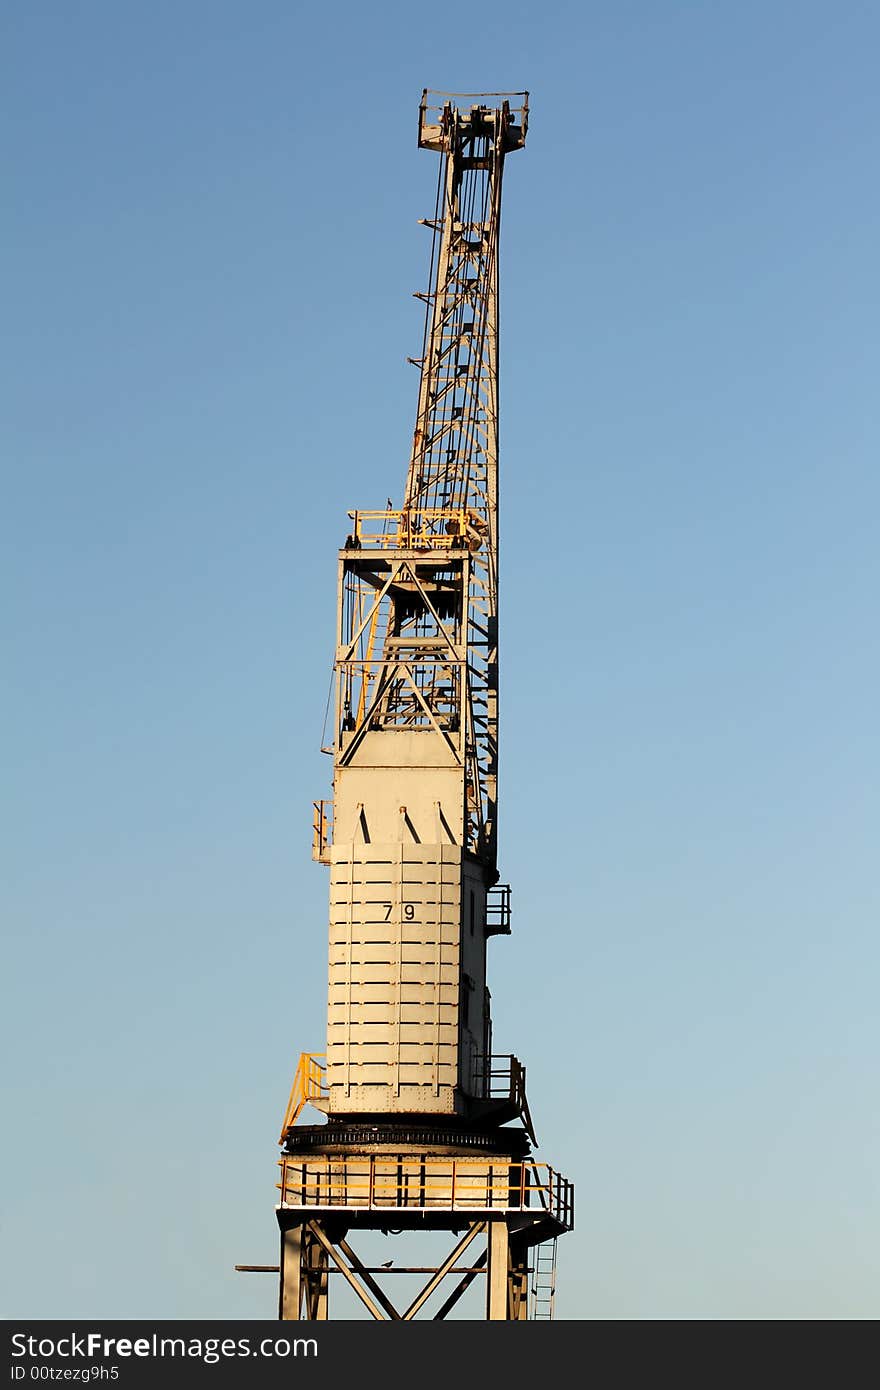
column 395, row 972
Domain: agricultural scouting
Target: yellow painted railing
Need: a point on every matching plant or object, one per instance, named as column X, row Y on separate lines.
column 405, row 1181
column 431, row 528
column 309, row 1086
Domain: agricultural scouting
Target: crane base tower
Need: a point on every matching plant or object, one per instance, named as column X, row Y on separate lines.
column 480, row 1186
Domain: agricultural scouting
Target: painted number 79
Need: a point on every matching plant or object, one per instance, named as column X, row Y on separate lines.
column 409, row 912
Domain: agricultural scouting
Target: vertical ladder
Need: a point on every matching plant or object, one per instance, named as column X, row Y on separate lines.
column 543, row 1285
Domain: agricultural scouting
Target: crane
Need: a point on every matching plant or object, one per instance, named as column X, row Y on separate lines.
column 423, row 1125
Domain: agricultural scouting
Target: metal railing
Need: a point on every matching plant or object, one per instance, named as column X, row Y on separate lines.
column 498, row 910
column 322, row 831
column 434, row 115
column 429, row 528
column 309, row 1086
column 503, row 1077
column 410, row 1182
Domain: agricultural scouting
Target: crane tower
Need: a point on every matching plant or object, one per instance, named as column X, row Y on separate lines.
column 425, row 1127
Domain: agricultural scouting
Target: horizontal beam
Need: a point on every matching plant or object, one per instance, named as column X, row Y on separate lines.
column 371, row 1269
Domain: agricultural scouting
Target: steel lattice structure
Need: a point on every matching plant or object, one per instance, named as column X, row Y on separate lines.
column 437, row 662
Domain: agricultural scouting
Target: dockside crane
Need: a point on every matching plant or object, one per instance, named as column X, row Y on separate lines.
column 424, row 1126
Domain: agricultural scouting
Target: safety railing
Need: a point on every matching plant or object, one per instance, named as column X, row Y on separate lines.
column 309, row 1086
column 430, row 528
column 408, row 1182
column 322, row 831
column 498, row 910
column 436, row 113
column 502, row 1076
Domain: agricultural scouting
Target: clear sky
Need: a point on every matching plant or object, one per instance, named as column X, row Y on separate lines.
column 210, row 246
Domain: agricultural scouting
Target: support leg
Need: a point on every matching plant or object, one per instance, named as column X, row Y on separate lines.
column 315, row 1272
column 291, row 1283
column 496, row 1276
column 518, row 1281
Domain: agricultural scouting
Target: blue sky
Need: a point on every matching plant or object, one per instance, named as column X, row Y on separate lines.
column 211, row 244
